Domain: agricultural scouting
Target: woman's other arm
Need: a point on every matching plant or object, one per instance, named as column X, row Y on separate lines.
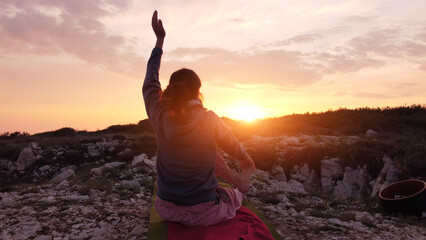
column 232, row 146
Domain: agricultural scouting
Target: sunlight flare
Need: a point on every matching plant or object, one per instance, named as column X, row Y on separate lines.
column 247, row 113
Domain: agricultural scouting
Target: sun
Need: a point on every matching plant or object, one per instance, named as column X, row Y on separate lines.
column 246, row 113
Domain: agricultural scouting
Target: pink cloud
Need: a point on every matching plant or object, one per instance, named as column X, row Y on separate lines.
column 278, row 67
column 76, row 30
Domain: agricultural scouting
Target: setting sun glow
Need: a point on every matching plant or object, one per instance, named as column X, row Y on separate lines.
column 246, row 113
column 81, row 64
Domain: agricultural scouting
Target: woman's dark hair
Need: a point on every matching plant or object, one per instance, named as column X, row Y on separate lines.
column 184, row 85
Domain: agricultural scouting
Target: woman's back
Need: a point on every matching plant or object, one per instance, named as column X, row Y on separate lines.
column 186, row 158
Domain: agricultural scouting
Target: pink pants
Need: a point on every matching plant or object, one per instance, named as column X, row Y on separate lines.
column 203, row 214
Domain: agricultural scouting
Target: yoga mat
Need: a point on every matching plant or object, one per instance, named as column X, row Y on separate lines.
column 157, row 228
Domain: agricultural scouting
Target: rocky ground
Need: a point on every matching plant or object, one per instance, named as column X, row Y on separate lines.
column 108, row 196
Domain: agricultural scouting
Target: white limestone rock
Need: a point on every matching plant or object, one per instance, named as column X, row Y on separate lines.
column 261, row 175
column 370, row 133
column 336, row 221
column 290, row 186
column 30, row 228
column 26, row 159
column 63, row 185
column 138, row 230
column 44, row 168
column 99, row 170
column 353, row 185
column 389, row 174
column 305, row 171
column 150, row 163
column 331, row 170
column 277, row 173
column 34, row 145
column 8, row 201
column 43, row 237
column 364, row 217
column 93, row 151
column 129, row 184
column 65, row 175
column 138, row 159
column 49, row 199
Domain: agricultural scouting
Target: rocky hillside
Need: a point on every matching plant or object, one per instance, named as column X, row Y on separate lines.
column 309, row 187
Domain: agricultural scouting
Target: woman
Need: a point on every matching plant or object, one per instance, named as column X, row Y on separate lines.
column 187, row 160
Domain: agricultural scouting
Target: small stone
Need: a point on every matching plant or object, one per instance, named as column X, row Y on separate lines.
column 130, row 184
column 112, row 165
column 138, row 159
column 33, row 145
column 370, row 133
column 44, row 168
column 97, row 171
column 65, row 175
column 364, row 217
column 100, row 232
column 138, row 230
column 49, row 199
column 63, row 185
column 93, row 151
column 261, row 175
column 19, row 236
column 8, row 202
column 43, row 237
column 150, row 163
column 335, row 221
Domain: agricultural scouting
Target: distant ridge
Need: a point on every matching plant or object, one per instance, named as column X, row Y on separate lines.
column 399, row 120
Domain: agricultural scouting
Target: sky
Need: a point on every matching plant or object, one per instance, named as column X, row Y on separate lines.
column 81, row 64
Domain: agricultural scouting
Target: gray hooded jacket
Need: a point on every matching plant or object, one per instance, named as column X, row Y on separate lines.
column 186, row 153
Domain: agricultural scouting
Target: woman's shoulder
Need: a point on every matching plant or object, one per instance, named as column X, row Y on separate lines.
column 210, row 114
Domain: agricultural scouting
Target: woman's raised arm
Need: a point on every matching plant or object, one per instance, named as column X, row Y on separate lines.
column 157, row 26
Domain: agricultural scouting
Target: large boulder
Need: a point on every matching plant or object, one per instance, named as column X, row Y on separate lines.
column 389, row 174
column 353, row 185
column 26, row 159
column 296, row 174
column 331, row 172
column 313, row 181
column 277, row 173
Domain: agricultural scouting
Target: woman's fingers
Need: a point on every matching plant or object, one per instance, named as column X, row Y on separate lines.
column 161, row 25
column 157, row 25
column 154, row 18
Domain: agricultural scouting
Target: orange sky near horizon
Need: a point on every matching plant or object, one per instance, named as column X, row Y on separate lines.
column 81, row 64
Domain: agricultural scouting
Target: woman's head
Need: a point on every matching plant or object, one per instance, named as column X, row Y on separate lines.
column 184, row 85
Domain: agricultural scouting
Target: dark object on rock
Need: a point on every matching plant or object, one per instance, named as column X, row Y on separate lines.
column 406, row 197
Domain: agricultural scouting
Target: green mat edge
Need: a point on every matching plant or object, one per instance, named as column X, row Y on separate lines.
column 157, row 228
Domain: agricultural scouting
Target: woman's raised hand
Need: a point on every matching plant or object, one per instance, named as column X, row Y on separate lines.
column 157, row 26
